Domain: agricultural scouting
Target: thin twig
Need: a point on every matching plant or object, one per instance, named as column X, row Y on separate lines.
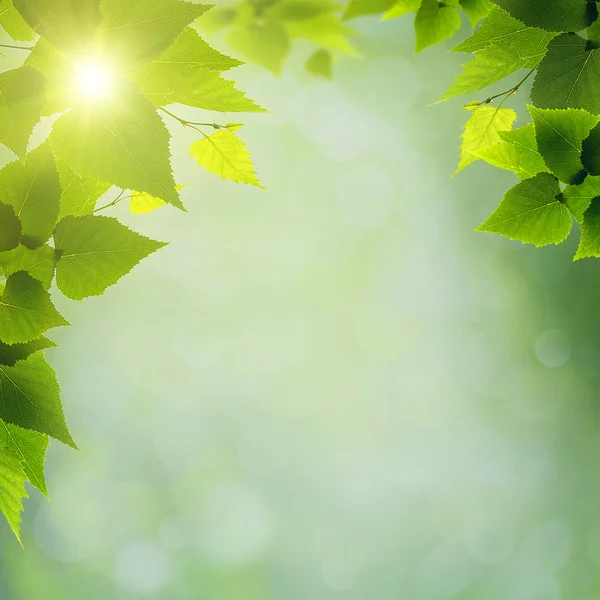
column 16, row 47
column 186, row 123
column 116, row 201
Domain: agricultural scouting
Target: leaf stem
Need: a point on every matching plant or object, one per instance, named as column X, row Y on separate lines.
column 114, row 202
column 16, row 47
column 508, row 93
column 191, row 124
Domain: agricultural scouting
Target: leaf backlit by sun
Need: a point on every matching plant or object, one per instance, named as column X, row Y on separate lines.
column 94, row 80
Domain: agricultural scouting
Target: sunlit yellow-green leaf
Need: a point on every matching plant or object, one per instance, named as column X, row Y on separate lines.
column 225, row 155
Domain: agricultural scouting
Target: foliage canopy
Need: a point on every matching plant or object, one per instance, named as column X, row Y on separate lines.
column 105, row 71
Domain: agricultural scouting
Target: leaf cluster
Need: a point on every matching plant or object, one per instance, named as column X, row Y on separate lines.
column 104, row 72
column 264, row 31
column 556, row 154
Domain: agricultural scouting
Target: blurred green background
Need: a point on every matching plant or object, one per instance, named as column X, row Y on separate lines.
column 334, row 388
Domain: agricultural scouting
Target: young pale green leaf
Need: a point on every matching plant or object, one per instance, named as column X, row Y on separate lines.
column 568, row 76
column 13, row 23
column 560, row 134
column 181, row 75
column 95, row 252
column 482, row 130
column 361, row 8
column 12, row 488
column 10, row 228
column 402, row 7
column 67, row 24
column 30, row 447
column 124, row 143
column 552, row 15
column 30, row 398
column 589, row 244
column 266, row 44
column 518, row 153
column 434, row 23
column 579, row 197
column 11, row 354
column 476, row 9
column 39, row 263
column 143, row 204
column 590, row 155
column 532, row 212
column 32, row 188
column 225, row 155
column 137, row 31
column 22, row 101
column 79, row 194
column 320, row 63
column 26, row 311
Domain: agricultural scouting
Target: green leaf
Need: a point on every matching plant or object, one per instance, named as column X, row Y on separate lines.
column 182, row 75
column 301, row 10
column 190, row 52
column 143, row 204
column 498, row 27
column 13, row 22
column 26, row 311
column 30, row 398
column 79, row 194
column 58, row 73
column 39, row 263
column 518, row 153
column 67, row 24
column 95, row 252
column 265, row 44
column 402, row 7
column 560, row 134
column 435, row 23
column 22, row 100
column 12, row 488
column 579, row 197
column 482, row 130
column 11, row 354
column 10, row 228
column 326, row 31
column 590, row 155
column 568, row 76
column 225, row 155
column 589, row 244
column 552, row 15
column 124, row 143
column 137, row 30
column 360, row 8
column 320, row 63
column 476, row 9
column 32, row 188
column 30, row 447
column 532, row 212
column 498, row 61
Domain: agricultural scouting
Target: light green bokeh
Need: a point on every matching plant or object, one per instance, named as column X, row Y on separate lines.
column 334, row 388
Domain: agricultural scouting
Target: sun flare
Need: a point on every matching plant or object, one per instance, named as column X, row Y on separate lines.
column 94, row 80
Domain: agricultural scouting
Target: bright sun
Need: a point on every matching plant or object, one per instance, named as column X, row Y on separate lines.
column 94, row 80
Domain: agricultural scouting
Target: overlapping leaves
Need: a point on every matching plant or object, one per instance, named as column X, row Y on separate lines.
column 557, row 155
column 119, row 143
